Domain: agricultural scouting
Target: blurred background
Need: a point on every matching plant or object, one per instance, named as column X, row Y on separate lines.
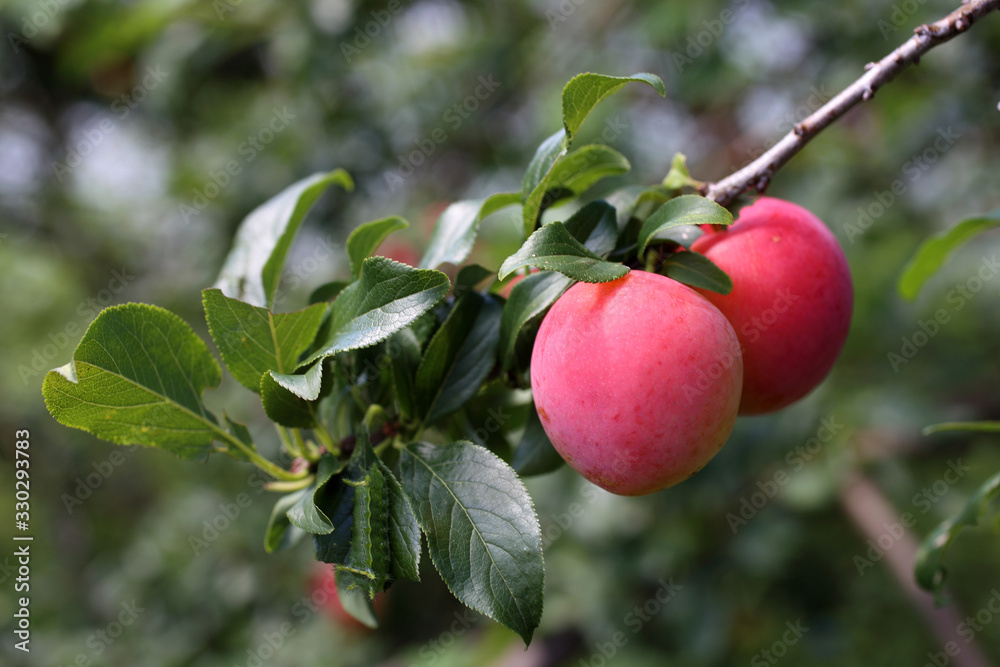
column 134, row 137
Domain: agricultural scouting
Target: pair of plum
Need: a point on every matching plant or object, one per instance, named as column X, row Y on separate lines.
column 638, row 381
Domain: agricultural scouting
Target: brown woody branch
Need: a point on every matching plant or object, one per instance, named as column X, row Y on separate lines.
column 874, row 517
column 758, row 174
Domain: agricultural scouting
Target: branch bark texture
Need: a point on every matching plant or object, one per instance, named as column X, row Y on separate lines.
column 758, row 174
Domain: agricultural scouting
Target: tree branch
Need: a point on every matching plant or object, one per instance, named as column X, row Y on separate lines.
column 875, row 518
column 758, row 173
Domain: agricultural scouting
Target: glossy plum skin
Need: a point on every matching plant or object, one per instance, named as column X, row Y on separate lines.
column 791, row 301
column 636, row 381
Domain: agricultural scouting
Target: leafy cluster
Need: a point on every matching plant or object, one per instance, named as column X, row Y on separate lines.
column 379, row 387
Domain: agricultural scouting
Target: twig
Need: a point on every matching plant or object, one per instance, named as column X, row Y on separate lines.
column 321, row 434
column 873, row 514
column 758, row 174
column 252, row 455
column 286, row 440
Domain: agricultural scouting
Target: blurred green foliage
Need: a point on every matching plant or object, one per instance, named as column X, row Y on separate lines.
column 134, row 136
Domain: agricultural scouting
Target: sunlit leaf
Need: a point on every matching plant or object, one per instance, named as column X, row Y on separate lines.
column 387, row 297
column 679, row 176
column 585, row 91
column 253, row 341
column 137, row 377
column 254, row 265
column 456, row 230
column 546, row 155
column 571, row 175
column 683, row 210
column 553, row 248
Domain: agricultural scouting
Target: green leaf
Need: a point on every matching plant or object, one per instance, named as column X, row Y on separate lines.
column 528, row 299
column 253, row 267
column 586, row 91
column 253, row 341
column 368, row 560
column 934, row 252
column 679, row 176
column 553, row 248
column 241, row 433
column 137, row 377
column 570, row 175
column 366, row 238
column 683, row 210
column 304, row 514
column 636, row 203
column 455, row 231
column 356, row 603
column 624, row 200
column 404, row 370
column 327, row 291
column 587, row 165
column 308, row 386
column 930, row 570
column 442, row 350
column 459, row 356
column 280, row 533
column 481, row 528
column 425, row 326
column 404, row 532
column 336, row 501
column 684, row 236
column 388, row 297
column 595, row 224
column 535, row 455
column 293, row 400
column 372, row 369
column 476, row 358
column 359, row 534
column 470, row 276
column 534, row 186
column 498, row 202
column 283, row 407
column 545, row 157
column 694, row 269
column 238, row 430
